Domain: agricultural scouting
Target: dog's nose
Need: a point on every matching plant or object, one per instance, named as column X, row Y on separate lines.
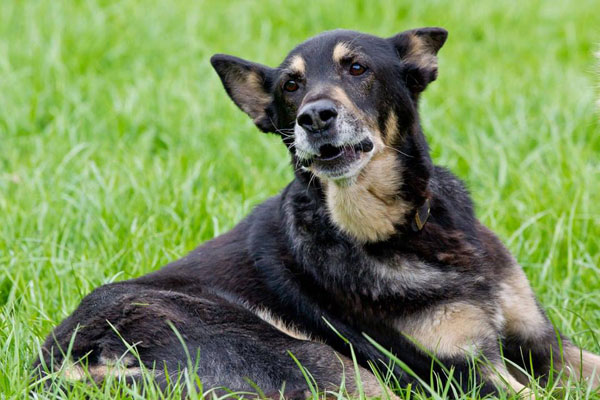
column 317, row 116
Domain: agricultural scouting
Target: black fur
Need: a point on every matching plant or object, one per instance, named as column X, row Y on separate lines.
column 289, row 257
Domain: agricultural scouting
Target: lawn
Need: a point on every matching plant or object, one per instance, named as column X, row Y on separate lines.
column 120, row 151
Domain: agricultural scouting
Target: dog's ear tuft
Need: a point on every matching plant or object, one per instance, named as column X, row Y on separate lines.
column 418, row 48
column 248, row 85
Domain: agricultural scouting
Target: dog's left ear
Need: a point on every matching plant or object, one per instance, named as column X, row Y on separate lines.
column 418, row 48
column 248, row 85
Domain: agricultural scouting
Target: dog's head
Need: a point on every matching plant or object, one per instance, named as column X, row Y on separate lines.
column 339, row 98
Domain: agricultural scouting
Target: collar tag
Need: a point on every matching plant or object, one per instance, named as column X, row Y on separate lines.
column 421, row 216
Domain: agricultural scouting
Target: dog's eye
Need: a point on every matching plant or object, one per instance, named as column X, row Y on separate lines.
column 290, row 86
column 357, row 69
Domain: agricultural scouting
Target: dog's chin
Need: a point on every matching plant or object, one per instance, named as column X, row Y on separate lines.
column 341, row 164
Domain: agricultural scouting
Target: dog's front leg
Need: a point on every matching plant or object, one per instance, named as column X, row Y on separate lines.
column 531, row 340
column 456, row 333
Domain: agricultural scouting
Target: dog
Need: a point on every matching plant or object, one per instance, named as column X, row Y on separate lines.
column 371, row 243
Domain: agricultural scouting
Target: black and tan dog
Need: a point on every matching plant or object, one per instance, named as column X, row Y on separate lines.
column 370, row 236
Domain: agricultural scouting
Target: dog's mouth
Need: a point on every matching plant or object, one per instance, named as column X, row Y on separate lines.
column 328, row 152
column 339, row 161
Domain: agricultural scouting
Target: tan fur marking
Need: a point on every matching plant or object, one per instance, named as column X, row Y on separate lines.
column 369, row 208
column 450, row 330
column 126, row 360
column 339, row 94
column 502, row 378
column 371, row 386
column 340, row 51
column 582, row 364
column 278, row 324
column 297, row 65
column 100, row 372
column 420, row 54
column 391, row 126
column 107, row 367
column 252, row 97
column 74, row 372
column 524, row 317
column 519, row 306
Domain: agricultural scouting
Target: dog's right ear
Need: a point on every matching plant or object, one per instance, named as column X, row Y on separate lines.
column 248, row 85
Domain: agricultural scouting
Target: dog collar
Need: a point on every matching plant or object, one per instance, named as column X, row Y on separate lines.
column 421, row 216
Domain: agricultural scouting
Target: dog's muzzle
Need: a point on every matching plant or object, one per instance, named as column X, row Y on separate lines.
column 329, row 141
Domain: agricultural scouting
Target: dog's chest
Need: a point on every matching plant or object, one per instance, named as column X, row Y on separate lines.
column 350, row 271
column 357, row 276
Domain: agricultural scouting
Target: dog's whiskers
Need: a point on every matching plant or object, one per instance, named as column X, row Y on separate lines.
column 398, row 151
column 312, row 176
column 283, row 131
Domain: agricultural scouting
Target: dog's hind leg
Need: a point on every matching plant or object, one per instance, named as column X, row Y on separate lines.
column 125, row 329
column 530, row 340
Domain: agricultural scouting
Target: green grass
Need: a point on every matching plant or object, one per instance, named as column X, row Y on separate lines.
column 119, row 150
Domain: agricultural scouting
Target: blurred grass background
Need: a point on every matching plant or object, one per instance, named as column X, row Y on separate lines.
column 120, row 151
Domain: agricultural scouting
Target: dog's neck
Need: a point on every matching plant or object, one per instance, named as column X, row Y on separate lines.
column 370, row 208
column 384, row 198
